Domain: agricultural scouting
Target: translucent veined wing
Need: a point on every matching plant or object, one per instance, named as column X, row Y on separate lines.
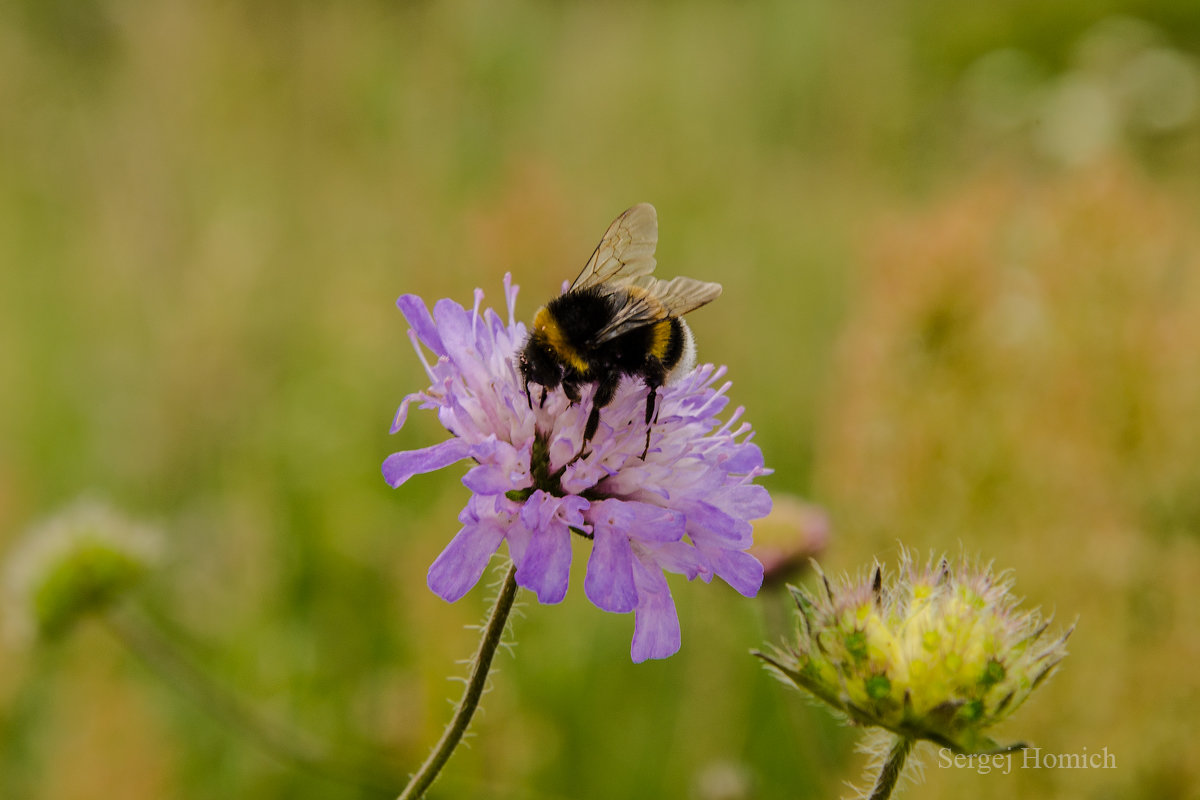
column 637, row 309
column 680, row 295
column 625, row 252
column 648, row 300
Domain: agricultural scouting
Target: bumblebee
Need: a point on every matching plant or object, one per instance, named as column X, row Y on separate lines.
column 616, row 321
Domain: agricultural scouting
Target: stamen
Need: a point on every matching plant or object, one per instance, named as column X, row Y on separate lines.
column 412, row 335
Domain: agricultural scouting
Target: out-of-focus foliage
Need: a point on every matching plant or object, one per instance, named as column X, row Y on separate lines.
column 1019, row 374
column 960, row 260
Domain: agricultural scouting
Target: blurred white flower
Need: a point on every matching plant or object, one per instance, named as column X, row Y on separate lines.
column 78, row 562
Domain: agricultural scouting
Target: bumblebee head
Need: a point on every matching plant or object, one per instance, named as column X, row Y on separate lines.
column 538, row 362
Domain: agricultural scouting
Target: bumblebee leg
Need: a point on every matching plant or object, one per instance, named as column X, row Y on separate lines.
column 651, row 409
column 651, row 412
column 592, row 424
column 605, row 390
column 656, row 373
column 542, row 402
column 528, row 397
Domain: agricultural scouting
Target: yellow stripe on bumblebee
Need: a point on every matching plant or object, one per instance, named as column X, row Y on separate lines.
column 661, row 340
column 548, row 327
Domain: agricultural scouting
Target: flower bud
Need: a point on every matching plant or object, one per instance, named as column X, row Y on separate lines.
column 939, row 652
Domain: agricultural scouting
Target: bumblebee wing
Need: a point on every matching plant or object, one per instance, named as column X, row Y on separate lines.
column 680, row 295
column 625, row 252
column 648, row 300
column 636, row 309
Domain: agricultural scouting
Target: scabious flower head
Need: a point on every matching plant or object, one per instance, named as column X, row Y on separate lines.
column 939, row 652
column 684, row 508
column 74, row 564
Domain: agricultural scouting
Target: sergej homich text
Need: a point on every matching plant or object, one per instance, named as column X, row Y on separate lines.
column 1028, row 758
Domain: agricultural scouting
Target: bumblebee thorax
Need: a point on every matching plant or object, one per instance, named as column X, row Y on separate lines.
column 547, row 329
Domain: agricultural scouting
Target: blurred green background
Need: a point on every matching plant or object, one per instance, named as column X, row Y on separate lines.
column 961, row 260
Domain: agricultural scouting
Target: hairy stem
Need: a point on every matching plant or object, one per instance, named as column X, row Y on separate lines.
column 890, row 774
column 140, row 636
column 492, row 633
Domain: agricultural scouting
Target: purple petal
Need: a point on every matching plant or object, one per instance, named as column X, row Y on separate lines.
column 748, row 501
column 399, row 467
column 571, row 510
column 402, row 412
column 454, row 326
column 461, row 564
column 501, row 467
column 609, row 582
column 580, row 475
column 546, row 565
column 656, row 625
column 740, row 570
column 492, row 479
column 518, row 538
column 418, row 317
column 711, row 525
column 681, row 558
column 651, row 523
column 743, row 458
column 543, row 510
column 643, row 521
column 705, row 405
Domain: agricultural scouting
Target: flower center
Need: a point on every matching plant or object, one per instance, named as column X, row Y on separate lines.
column 547, row 481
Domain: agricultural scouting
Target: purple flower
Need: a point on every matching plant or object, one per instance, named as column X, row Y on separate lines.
column 684, row 508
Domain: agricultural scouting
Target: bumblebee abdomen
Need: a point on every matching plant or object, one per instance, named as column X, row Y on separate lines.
column 655, row 348
column 672, row 340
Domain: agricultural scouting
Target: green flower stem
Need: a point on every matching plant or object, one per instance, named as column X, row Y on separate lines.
column 890, row 774
column 140, row 636
column 492, row 633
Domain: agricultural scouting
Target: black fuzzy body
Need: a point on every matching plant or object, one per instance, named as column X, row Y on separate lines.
column 564, row 351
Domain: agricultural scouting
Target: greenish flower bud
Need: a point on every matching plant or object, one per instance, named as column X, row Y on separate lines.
column 74, row 564
column 940, row 652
